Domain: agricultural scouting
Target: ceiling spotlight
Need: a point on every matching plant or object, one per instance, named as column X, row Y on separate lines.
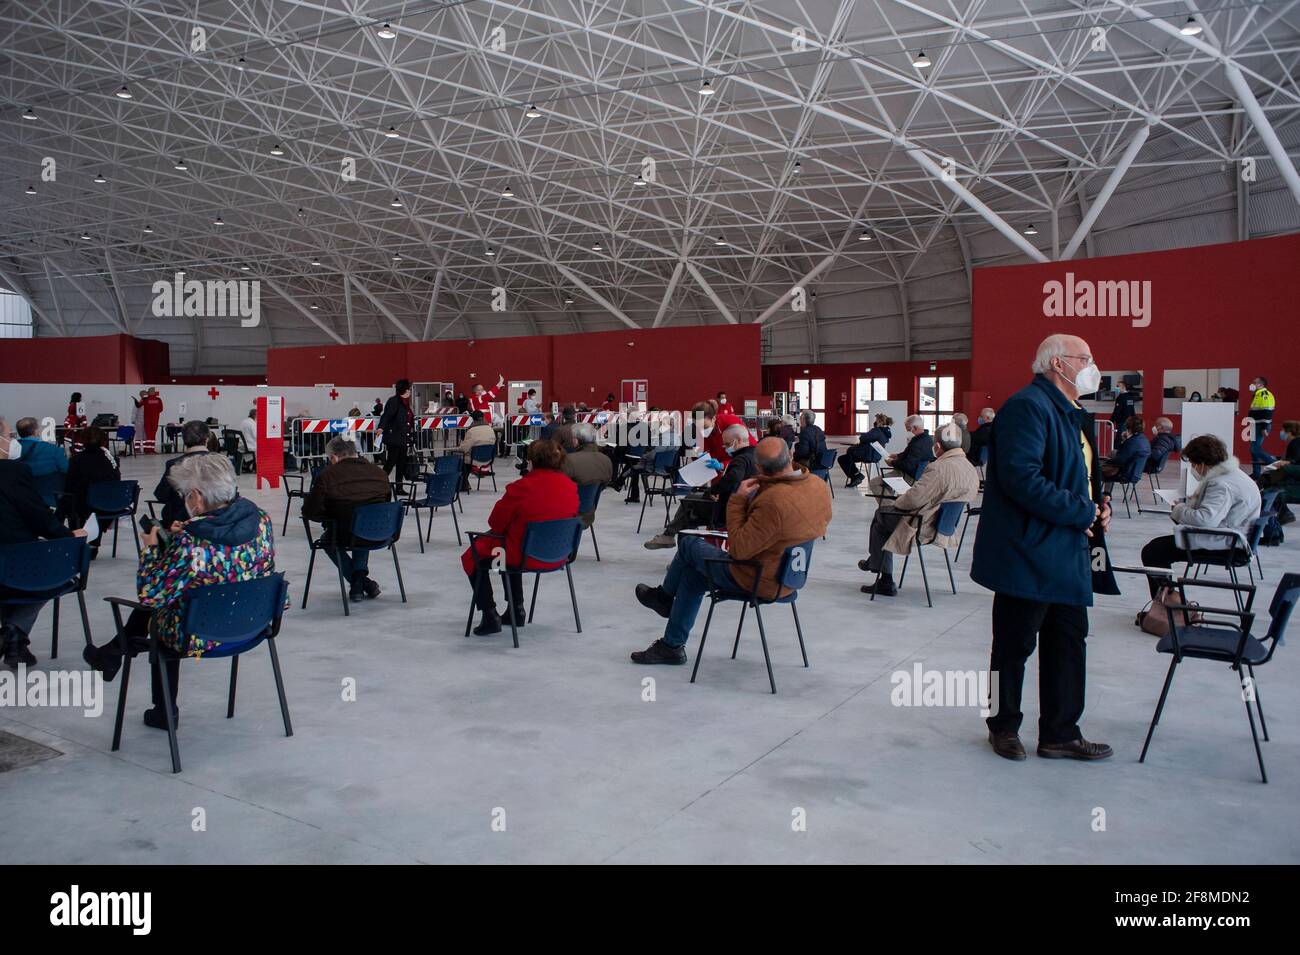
column 864, row 236
column 123, row 93
column 1030, row 230
column 85, row 236
column 706, row 89
column 596, row 247
column 386, row 31
column 243, row 268
column 31, row 190
column 29, row 113
column 99, row 178
column 507, row 193
column 639, row 180
column 180, row 164
column 391, row 132
column 397, row 256
column 301, row 213
column 568, row 300
column 240, row 64
column 719, row 241
column 315, row 261
column 532, row 112
column 148, row 230
column 313, row 306
column 797, row 167
column 277, row 150
column 218, row 221
column 1190, row 28
column 396, row 203
column 490, row 252
column 921, row 61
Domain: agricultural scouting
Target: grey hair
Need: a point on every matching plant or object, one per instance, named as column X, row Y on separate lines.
column 209, row 474
column 1053, row 346
column 949, row 436
column 960, row 419
column 911, row 421
column 777, row 462
column 735, row 431
column 341, row 447
column 807, row 417
column 26, row 427
column 195, row 433
column 987, row 411
column 584, row 434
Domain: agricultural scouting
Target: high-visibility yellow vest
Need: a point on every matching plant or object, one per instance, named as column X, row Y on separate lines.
column 1264, row 402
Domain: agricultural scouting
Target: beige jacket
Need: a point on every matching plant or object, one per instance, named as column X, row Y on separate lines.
column 475, row 436
column 951, row 477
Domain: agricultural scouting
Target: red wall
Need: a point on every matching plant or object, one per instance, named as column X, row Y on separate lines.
column 1215, row 306
column 94, row 360
column 902, row 376
column 682, row 365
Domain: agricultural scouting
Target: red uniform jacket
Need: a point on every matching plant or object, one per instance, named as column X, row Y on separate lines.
column 727, row 408
column 540, row 495
column 480, row 402
column 714, row 443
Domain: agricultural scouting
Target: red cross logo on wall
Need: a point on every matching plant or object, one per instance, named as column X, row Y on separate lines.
column 212, row 393
column 333, row 395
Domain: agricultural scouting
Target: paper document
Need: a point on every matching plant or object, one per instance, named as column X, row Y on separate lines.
column 703, row 532
column 91, row 527
column 1169, row 496
column 875, row 446
column 697, row 473
column 898, row 485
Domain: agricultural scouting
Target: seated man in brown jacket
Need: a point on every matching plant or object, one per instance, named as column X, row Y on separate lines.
column 950, row 477
column 346, row 483
column 585, row 463
column 781, row 507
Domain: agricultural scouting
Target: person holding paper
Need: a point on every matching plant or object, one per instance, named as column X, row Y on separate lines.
column 1133, row 446
column 918, row 453
column 893, row 528
column 708, row 506
column 1225, row 499
column 710, row 423
column 867, row 450
column 1040, row 535
column 92, row 464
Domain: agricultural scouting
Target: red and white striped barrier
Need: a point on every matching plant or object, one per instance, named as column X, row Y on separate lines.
column 335, row 425
column 440, row 421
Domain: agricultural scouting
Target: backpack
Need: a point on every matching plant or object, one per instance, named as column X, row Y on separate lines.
column 1154, row 618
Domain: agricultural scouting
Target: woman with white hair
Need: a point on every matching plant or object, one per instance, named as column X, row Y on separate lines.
column 226, row 539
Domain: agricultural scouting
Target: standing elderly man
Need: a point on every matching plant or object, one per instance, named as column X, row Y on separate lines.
column 1043, row 517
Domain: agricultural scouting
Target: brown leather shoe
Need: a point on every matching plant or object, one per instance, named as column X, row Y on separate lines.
column 1075, row 749
column 1007, row 745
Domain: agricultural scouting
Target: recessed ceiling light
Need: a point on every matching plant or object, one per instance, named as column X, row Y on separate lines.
column 1190, row 28
column 29, row 113
column 277, row 150
column 397, row 256
column 1030, row 230
column 99, row 178
column 218, row 221
column 921, row 61
column 313, row 306
column 148, row 230
column 123, row 93
column 706, row 89
column 315, row 261
column 532, row 112
column 568, row 300
column 719, row 241
column 490, row 252
column 391, row 132
column 180, row 164
column 85, row 236
column 864, row 236
column 31, row 190
column 396, row 203
column 595, row 247
column 639, row 180
column 507, row 193
column 243, row 268
column 386, row 31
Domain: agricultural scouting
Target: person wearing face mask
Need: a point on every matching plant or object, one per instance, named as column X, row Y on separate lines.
column 710, row 423
column 1224, row 499
column 1132, row 447
column 1262, row 405
column 724, row 406
column 707, row 507
column 225, row 539
column 907, row 463
column 1042, row 527
column 979, row 438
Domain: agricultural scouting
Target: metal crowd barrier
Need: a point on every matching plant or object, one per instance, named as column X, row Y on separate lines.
column 307, row 437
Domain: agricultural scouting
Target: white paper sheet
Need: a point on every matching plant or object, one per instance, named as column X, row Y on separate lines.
column 898, row 485
column 875, row 446
column 1168, row 495
column 697, row 473
column 91, row 527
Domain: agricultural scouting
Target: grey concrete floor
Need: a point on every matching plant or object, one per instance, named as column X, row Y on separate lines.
column 448, row 734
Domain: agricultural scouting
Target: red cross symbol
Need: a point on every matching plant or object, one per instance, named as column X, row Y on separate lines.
column 333, row 395
column 212, row 393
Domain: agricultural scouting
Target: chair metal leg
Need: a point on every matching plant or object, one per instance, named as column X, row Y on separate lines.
column 767, row 658
column 168, row 709
column 234, row 679
column 454, row 523
column 288, row 506
column 1259, row 566
column 401, row 587
column 474, row 582
column 121, row 701
column 699, row 652
column 920, row 556
column 54, row 643
column 592, row 530
column 532, row 604
column 343, row 587
column 1160, row 707
column 419, row 531
column 645, row 499
column 962, row 540
column 573, row 596
column 740, row 625
column 306, row 587
column 510, row 603
column 1254, row 735
column 279, row 686
column 799, row 630
column 903, row 573
column 135, row 533
column 952, row 580
column 1259, row 707
column 115, row 523
column 85, row 618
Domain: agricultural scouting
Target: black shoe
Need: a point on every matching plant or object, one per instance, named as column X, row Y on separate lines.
column 865, row 567
column 155, row 718
column 1007, row 745
column 370, row 588
column 1075, row 749
column 656, row 598
column 107, row 660
column 356, row 591
column 857, row 479
column 490, row 624
column 660, row 652
column 884, row 587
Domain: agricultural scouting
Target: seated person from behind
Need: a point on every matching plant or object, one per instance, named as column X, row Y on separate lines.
column 480, row 433
column 347, row 482
column 810, row 446
column 91, row 465
column 194, row 435
column 249, row 430
column 1163, row 441
column 1132, row 446
column 893, row 528
column 707, row 507
column 226, row 539
column 545, row 493
column 979, row 438
column 863, row 452
column 585, row 463
column 1226, row 498
column 906, row 463
column 781, row 507
column 41, row 457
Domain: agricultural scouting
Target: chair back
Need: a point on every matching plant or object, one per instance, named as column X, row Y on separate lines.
column 827, row 460
column 377, row 523
column 1256, row 532
column 920, row 469
column 126, row 432
column 231, row 441
column 50, row 487
column 440, row 488
column 549, row 542
column 984, row 454
column 236, row 613
column 44, row 566
column 589, row 497
column 447, row 464
column 1283, row 602
column 792, row 572
column 664, row 461
column 483, row 453
column 1133, row 473
column 113, row 497
column 950, row 513
column 1155, row 463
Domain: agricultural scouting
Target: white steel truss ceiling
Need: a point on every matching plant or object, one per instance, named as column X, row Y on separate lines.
column 872, row 151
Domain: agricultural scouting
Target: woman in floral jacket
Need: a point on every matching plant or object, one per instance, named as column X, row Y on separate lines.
column 227, row 539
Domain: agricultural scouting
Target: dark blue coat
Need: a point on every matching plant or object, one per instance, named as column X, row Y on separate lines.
column 919, row 450
column 862, row 451
column 1038, row 503
column 1134, row 448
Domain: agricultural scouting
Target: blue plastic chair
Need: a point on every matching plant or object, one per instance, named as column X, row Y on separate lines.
column 547, row 542
column 238, row 616
column 588, row 501
column 661, row 471
column 971, row 511
column 1154, row 465
column 374, row 527
column 823, row 469
column 126, row 436
column 480, row 455
column 439, row 491
column 37, row 571
column 112, row 501
column 50, row 487
column 451, row 463
column 1129, row 482
column 792, row 572
column 945, row 524
column 1226, row 641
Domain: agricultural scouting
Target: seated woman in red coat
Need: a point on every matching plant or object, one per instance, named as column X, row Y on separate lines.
column 545, row 493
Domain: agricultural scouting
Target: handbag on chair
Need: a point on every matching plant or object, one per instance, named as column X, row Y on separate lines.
column 1154, row 618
